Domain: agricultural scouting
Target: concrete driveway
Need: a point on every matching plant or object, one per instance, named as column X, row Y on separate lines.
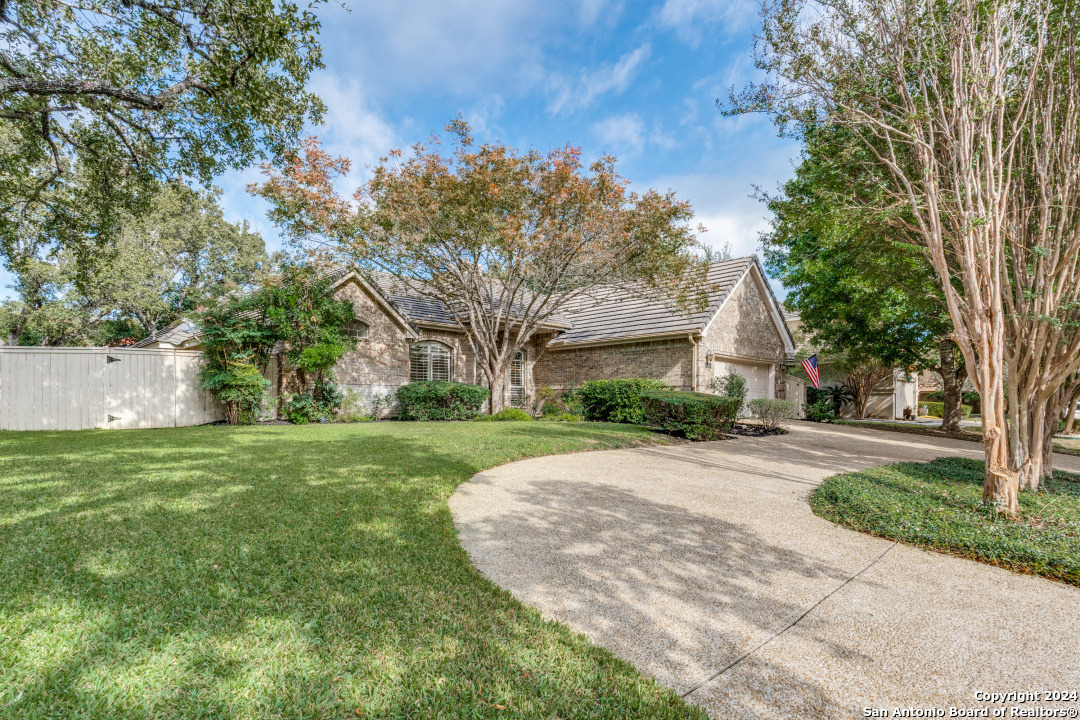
column 704, row 567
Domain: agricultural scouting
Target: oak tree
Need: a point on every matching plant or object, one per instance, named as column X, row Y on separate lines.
column 102, row 99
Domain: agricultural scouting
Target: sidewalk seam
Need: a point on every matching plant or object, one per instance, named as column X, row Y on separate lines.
column 790, row 625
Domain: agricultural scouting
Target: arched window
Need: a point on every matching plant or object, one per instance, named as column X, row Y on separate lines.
column 429, row 361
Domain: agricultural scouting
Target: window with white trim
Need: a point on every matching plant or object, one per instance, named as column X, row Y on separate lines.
column 517, row 379
column 429, row 361
column 357, row 329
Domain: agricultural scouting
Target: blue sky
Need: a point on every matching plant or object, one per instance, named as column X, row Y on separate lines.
column 638, row 80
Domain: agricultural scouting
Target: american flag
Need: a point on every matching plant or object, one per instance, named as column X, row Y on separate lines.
column 810, row 366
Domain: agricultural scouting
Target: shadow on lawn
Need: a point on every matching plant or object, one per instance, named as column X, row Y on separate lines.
column 271, row 572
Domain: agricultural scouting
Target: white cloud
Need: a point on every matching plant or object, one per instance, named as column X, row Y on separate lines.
column 458, row 46
column 621, row 134
column 694, row 20
column 581, row 93
column 483, row 117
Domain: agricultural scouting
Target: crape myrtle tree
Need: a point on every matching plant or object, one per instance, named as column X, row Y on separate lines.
column 971, row 107
column 503, row 239
column 858, row 289
column 102, row 99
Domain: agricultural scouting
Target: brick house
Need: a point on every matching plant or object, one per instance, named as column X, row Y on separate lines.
column 611, row 334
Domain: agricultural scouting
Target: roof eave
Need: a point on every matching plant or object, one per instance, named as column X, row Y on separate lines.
column 688, row 334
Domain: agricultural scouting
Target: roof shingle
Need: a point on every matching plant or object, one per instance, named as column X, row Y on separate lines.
column 619, row 314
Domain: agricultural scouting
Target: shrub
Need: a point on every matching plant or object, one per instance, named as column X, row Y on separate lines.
column 731, row 384
column 380, row 402
column 696, row 416
column 837, row 395
column 240, row 386
column 772, row 413
column 566, row 417
column 938, row 409
column 440, row 400
column 352, row 409
column 615, row 400
column 319, row 404
column 820, row 411
column 549, row 402
column 507, row 414
column 571, row 402
column 971, row 397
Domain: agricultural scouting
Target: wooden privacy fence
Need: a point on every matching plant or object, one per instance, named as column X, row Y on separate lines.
column 43, row 388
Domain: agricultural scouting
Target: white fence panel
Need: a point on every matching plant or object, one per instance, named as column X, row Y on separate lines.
column 81, row 388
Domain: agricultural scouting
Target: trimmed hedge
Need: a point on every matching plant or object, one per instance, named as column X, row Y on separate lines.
column 692, row 415
column 615, row 400
column 938, row 409
column 440, row 400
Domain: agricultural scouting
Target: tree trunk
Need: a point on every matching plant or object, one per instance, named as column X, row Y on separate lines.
column 1002, row 483
column 1027, row 429
column 951, row 384
column 1048, row 445
column 861, row 382
column 232, row 413
column 497, row 385
column 1070, row 417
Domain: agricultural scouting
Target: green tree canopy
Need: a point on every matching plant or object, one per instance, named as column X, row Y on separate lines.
column 861, row 292
column 181, row 254
column 99, row 99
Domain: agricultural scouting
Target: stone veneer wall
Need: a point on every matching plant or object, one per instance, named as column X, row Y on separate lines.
column 667, row 360
column 380, row 362
column 744, row 330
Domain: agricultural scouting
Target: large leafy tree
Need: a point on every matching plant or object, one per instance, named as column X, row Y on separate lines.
column 181, row 254
column 862, row 292
column 970, row 109
column 502, row 239
column 100, row 99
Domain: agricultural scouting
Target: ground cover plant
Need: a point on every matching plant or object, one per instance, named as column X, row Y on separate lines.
column 938, row 505
column 280, row 571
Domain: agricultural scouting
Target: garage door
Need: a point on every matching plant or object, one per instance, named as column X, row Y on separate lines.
column 757, row 377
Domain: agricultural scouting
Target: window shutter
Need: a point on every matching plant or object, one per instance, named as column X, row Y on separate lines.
column 517, row 379
column 440, row 363
column 429, row 361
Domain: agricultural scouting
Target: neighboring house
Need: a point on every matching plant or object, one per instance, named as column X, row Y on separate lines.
column 183, row 334
column 889, row 397
column 611, row 334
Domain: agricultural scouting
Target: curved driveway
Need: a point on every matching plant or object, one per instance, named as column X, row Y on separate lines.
column 703, row 566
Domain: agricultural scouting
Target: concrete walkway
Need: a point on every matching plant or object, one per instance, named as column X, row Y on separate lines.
column 704, row 567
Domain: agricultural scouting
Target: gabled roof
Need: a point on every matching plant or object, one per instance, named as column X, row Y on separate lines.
column 425, row 310
column 608, row 315
column 381, row 298
column 613, row 315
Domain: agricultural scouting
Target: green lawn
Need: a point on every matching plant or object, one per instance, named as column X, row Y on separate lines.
column 294, row 572
column 938, row 505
